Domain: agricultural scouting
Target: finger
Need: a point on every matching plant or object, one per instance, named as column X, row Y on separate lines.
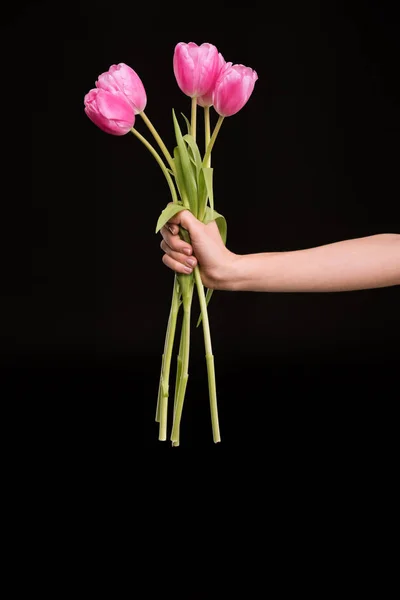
column 175, row 265
column 187, row 220
column 174, row 229
column 175, row 242
column 189, row 261
column 176, row 219
column 173, row 222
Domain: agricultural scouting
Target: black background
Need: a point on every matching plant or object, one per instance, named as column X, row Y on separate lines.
column 311, row 159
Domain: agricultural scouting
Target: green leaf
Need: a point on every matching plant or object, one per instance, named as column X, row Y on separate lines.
column 188, row 175
column 180, row 182
column 208, row 178
column 169, row 211
column 212, row 215
column 186, row 283
column 189, row 139
column 202, row 196
column 208, row 298
column 187, row 122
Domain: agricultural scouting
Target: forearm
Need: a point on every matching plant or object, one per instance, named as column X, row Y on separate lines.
column 362, row 263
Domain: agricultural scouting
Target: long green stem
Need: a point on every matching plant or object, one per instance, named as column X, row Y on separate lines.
column 160, row 162
column 178, row 369
column 178, row 373
column 159, row 141
column 184, row 376
column 193, row 120
column 163, row 390
column 212, row 140
column 166, row 363
column 158, row 409
column 207, row 133
column 160, row 385
column 209, row 358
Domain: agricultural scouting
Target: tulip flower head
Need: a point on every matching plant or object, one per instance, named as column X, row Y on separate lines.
column 122, row 79
column 119, row 95
column 112, row 113
column 233, row 88
column 196, row 67
column 206, row 99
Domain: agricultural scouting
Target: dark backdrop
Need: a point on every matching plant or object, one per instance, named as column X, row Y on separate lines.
column 311, row 159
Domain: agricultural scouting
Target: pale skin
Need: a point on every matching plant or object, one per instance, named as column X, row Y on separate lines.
column 348, row 265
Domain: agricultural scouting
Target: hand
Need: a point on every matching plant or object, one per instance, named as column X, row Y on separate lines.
column 206, row 249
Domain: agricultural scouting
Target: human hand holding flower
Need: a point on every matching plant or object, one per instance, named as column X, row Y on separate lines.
column 207, row 249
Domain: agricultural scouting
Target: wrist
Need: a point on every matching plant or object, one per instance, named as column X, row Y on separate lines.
column 250, row 272
column 228, row 276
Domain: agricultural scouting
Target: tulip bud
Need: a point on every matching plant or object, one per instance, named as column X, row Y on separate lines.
column 233, row 88
column 195, row 67
column 111, row 112
column 122, row 79
column 119, row 96
column 206, row 99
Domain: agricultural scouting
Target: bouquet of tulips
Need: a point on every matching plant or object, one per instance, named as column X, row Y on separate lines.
column 204, row 76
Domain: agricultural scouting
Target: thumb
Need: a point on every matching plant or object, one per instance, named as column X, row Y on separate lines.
column 188, row 221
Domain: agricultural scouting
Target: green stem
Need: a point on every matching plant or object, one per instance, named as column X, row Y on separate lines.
column 166, row 363
column 178, row 374
column 158, row 409
column 159, row 141
column 209, row 357
column 185, row 200
column 160, row 162
column 187, row 304
column 160, row 386
column 178, row 369
column 212, row 140
column 207, row 133
column 193, row 118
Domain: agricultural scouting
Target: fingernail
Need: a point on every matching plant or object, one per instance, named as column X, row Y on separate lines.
column 187, row 251
column 191, row 262
column 188, row 269
column 171, row 229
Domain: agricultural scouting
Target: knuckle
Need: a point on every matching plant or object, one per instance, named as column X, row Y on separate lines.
column 175, row 244
column 165, row 247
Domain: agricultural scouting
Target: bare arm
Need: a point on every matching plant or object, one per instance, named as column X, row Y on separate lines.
column 362, row 263
column 356, row 264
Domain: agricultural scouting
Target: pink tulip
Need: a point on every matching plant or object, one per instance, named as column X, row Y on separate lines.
column 122, row 79
column 206, row 100
column 195, row 67
column 111, row 112
column 233, row 88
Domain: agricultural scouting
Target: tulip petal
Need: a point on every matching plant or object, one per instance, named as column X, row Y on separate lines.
column 112, row 113
column 123, row 79
column 115, row 106
column 233, row 89
column 131, row 85
column 107, row 82
column 196, row 67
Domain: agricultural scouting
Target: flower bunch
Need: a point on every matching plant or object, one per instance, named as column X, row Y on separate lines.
column 119, row 96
